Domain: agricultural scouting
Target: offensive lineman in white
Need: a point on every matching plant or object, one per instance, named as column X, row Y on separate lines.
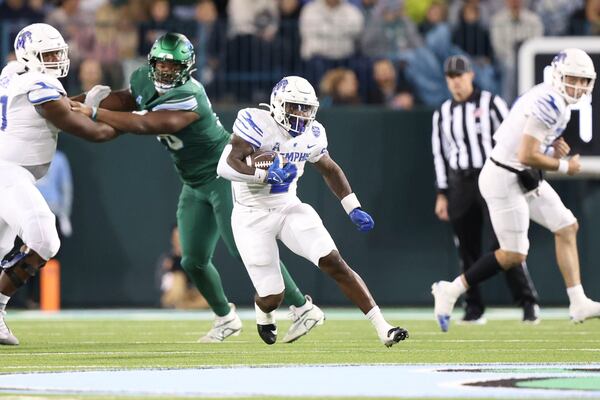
column 266, row 206
column 529, row 139
column 33, row 108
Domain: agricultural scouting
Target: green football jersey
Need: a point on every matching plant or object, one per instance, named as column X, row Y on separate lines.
column 195, row 149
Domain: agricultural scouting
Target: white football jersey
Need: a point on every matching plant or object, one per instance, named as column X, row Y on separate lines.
column 542, row 102
column 26, row 138
column 258, row 128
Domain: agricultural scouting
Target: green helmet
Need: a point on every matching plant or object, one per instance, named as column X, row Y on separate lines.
column 175, row 48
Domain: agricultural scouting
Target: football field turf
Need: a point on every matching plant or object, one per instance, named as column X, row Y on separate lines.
column 157, row 340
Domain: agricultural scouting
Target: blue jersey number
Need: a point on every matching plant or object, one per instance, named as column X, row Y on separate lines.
column 282, row 188
column 3, row 106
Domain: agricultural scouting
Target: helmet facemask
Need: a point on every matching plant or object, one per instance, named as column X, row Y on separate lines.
column 578, row 90
column 174, row 50
column 298, row 117
column 294, row 104
column 165, row 80
column 58, row 68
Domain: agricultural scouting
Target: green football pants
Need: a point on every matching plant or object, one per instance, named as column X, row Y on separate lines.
column 204, row 215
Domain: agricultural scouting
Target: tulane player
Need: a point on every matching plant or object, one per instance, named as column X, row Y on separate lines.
column 529, row 140
column 172, row 105
column 267, row 208
column 33, row 108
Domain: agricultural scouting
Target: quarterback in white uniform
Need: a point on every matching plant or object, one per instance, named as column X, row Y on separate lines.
column 528, row 141
column 33, row 108
column 266, row 206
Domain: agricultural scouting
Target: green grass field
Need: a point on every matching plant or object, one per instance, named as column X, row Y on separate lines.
column 57, row 344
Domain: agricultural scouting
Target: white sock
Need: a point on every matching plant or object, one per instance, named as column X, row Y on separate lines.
column 458, row 287
column 576, row 294
column 381, row 325
column 263, row 318
column 3, row 301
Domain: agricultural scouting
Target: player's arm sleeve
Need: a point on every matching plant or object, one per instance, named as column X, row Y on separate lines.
column 246, row 126
column 226, row 171
column 320, row 149
column 545, row 115
column 185, row 102
column 536, row 128
column 440, row 162
column 42, row 91
column 152, row 123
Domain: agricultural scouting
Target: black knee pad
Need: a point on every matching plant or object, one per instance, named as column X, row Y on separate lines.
column 21, row 262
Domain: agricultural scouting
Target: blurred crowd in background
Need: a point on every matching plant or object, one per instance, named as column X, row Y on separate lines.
column 382, row 52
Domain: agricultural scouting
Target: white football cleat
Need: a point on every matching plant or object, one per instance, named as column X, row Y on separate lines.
column 223, row 327
column 6, row 336
column 303, row 323
column 443, row 303
column 584, row 310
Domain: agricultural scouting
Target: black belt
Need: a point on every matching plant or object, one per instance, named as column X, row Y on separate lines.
column 506, row 167
column 464, row 173
column 528, row 178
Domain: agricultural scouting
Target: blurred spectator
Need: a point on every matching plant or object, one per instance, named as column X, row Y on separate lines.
column 435, row 15
column 57, row 188
column 106, row 47
column 207, row 53
column 128, row 33
column 556, row 14
column 329, row 31
column 509, row 28
column 289, row 35
column 586, row 21
column 258, row 18
column 76, row 26
column 249, row 59
column 470, row 34
column 160, row 22
column 455, row 11
column 390, row 89
column 175, row 287
column 388, row 32
column 90, row 74
column 339, row 86
column 18, row 13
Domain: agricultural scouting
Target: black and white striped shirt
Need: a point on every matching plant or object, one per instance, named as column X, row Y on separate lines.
column 462, row 133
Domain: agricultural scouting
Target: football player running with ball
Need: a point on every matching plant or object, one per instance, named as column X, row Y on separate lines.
column 170, row 104
column 33, row 109
column 529, row 140
column 266, row 206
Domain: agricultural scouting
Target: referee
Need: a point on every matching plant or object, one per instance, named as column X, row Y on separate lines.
column 462, row 130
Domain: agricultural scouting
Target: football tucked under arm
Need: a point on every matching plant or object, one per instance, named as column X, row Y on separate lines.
column 225, row 170
column 263, row 159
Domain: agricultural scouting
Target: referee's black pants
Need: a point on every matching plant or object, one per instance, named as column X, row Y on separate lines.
column 468, row 213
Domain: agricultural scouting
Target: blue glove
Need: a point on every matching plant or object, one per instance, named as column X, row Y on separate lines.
column 279, row 176
column 362, row 220
column 291, row 170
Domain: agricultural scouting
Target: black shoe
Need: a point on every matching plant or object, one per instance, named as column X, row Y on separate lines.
column 394, row 336
column 472, row 318
column 268, row 333
column 531, row 313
